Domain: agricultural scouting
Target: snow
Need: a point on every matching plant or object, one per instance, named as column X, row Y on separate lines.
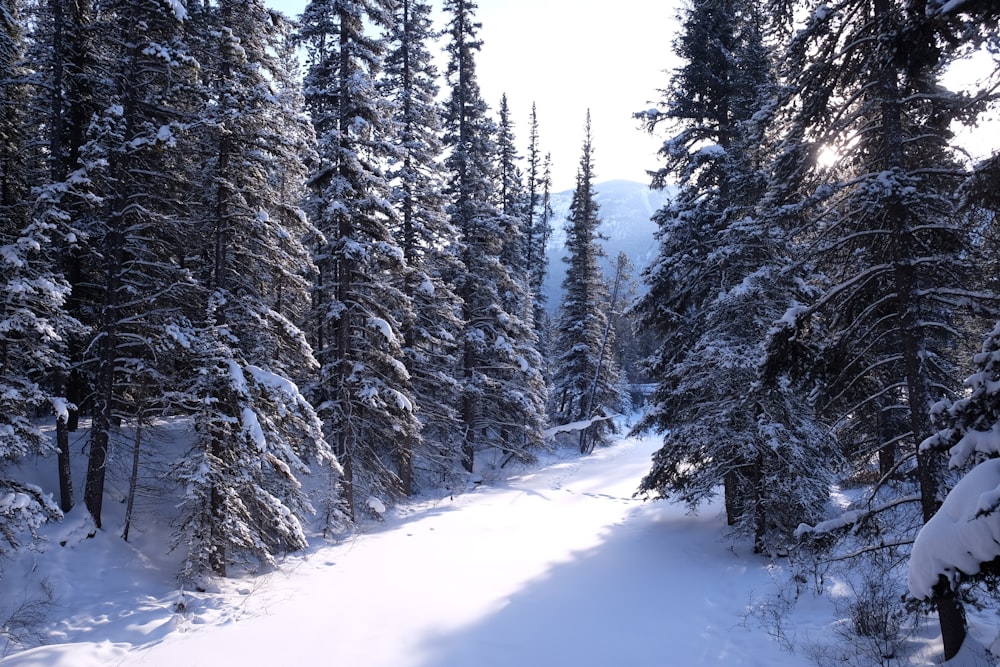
column 556, row 565
column 383, row 327
column 944, row 7
column 551, row 564
column 376, row 505
column 61, row 407
column 964, row 534
column 178, row 8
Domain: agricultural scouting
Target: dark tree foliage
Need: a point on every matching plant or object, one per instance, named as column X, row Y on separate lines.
column 503, row 388
column 429, row 243
column 718, row 289
column 890, row 250
column 363, row 391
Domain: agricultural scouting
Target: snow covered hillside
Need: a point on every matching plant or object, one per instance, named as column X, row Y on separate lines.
column 625, row 211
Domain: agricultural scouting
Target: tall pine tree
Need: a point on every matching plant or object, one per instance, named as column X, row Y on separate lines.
column 585, row 365
column 428, row 240
column 500, row 367
column 363, row 392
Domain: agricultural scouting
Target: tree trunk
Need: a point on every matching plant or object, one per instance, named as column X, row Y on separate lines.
column 133, row 479
column 951, row 615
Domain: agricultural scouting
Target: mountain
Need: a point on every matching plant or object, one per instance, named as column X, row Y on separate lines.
column 625, row 209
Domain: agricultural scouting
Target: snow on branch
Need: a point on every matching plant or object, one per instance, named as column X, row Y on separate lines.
column 574, row 426
column 851, row 518
column 962, row 536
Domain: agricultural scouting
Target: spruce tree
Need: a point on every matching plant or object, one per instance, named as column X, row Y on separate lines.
column 33, row 320
column 503, row 387
column 890, row 251
column 363, row 391
column 429, row 244
column 720, row 283
column 256, row 433
column 537, row 216
column 127, row 190
column 585, row 367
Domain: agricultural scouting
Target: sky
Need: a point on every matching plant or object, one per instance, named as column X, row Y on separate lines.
column 568, row 56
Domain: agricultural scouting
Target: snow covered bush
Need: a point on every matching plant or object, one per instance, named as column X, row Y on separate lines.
column 961, row 541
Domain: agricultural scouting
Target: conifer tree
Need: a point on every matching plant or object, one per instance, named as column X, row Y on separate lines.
column 585, row 373
column 536, row 226
column 33, row 321
column 65, row 84
column 503, row 387
column 130, row 179
column 256, row 432
column 892, row 256
column 363, row 392
column 428, row 241
column 720, row 283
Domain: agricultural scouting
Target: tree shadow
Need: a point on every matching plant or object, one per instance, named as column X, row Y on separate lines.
column 649, row 594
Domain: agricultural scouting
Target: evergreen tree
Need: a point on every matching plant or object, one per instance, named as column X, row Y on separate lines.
column 882, row 229
column 585, row 375
column 256, row 433
column 719, row 285
column 536, row 223
column 65, row 84
column 363, row 391
column 127, row 191
column 428, row 241
column 33, row 321
column 503, row 387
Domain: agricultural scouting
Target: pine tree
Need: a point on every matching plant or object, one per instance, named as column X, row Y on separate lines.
column 503, row 387
column 66, row 89
column 256, row 433
column 585, row 375
column 130, row 179
column 535, row 231
column 719, row 285
column 363, row 391
column 890, row 252
column 33, row 321
column 428, row 241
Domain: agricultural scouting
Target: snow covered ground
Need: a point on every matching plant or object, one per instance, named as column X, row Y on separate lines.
column 554, row 566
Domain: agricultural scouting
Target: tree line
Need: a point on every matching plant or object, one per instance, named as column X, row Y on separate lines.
column 331, row 272
column 823, row 272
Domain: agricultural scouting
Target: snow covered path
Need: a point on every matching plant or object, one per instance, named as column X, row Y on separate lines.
column 559, row 566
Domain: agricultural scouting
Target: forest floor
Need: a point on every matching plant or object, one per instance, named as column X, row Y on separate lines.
column 553, row 565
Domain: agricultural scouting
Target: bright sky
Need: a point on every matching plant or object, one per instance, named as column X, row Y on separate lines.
column 567, row 56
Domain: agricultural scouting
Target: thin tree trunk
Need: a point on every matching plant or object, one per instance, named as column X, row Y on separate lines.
column 133, row 479
column 951, row 615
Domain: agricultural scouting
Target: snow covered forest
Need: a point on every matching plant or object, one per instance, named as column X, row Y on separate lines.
column 269, row 279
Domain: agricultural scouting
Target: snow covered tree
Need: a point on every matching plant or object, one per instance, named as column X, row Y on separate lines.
column 130, row 183
column 892, row 254
column 33, row 325
column 33, row 320
column 717, row 290
column 504, row 390
column 256, row 432
column 67, row 83
column 585, row 368
column 429, row 243
column 363, row 392
column 958, row 545
column 14, row 102
column 536, row 224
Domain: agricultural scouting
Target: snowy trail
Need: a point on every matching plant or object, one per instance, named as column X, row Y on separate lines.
column 558, row 566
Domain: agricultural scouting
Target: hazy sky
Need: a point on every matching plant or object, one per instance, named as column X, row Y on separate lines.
column 567, row 56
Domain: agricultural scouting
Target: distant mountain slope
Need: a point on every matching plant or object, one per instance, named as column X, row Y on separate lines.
column 625, row 211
